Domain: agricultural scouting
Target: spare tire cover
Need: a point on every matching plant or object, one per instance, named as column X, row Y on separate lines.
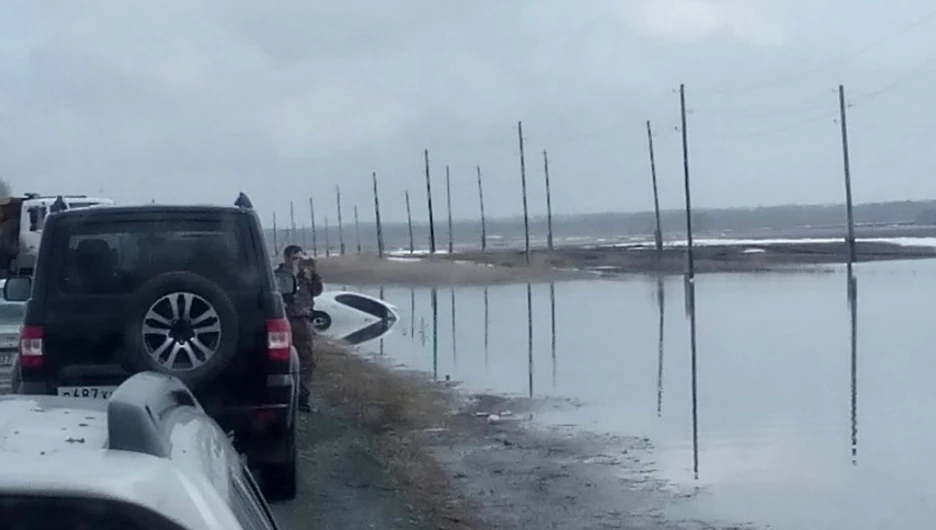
column 181, row 324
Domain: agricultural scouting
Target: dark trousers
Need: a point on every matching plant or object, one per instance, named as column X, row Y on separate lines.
column 302, row 340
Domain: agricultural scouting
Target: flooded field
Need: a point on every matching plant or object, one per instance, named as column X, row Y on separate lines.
column 786, row 439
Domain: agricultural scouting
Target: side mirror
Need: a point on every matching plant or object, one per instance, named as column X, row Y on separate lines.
column 17, row 289
column 286, row 283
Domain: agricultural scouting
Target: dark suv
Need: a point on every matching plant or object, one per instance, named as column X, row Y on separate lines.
column 187, row 291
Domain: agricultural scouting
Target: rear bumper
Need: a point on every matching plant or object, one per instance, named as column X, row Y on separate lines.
column 270, row 412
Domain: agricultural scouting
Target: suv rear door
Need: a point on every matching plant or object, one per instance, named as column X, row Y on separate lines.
column 98, row 261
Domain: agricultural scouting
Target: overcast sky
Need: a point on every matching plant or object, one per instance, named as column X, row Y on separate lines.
column 192, row 101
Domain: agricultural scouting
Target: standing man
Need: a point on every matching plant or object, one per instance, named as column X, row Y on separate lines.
column 299, row 312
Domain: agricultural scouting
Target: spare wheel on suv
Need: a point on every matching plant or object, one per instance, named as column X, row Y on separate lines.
column 181, row 324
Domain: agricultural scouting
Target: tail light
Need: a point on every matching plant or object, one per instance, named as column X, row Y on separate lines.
column 279, row 339
column 31, row 347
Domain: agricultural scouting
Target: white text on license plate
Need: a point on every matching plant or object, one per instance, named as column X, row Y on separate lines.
column 93, row 392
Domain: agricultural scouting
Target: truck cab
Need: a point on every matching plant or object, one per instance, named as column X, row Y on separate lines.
column 21, row 222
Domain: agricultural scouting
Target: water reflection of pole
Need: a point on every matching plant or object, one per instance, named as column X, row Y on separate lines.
column 381, row 296
column 552, row 327
column 435, row 333
column 690, row 285
column 454, row 341
column 852, row 280
column 854, row 370
column 661, row 302
column 412, row 310
column 486, row 328
column 530, row 339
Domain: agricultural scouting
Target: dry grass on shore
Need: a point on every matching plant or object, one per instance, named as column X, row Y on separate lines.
column 371, row 270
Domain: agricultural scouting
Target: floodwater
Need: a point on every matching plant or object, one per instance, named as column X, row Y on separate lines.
column 787, row 438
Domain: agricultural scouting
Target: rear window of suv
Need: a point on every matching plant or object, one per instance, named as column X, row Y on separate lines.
column 116, row 257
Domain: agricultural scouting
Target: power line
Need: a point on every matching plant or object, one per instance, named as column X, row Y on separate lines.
column 841, row 59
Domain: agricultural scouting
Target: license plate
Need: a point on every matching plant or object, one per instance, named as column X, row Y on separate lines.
column 93, row 392
column 6, row 357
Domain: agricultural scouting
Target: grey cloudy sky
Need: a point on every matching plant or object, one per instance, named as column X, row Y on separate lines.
column 182, row 101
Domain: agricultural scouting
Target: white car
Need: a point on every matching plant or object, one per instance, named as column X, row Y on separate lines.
column 147, row 459
column 353, row 318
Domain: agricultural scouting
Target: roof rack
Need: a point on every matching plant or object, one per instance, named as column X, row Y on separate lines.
column 243, row 201
column 136, row 409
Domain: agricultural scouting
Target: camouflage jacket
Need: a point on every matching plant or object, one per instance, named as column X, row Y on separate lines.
column 308, row 286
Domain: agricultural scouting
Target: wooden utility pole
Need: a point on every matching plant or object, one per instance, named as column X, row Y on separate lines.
column 380, row 240
column 409, row 223
column 526, row 213
column 658, row 231
column 549, row 229
column 448, row 203
column 483, row 221
column 275, row 236
column 341, row 245
column 292, row 224
column 432, row 239
column 314, row 235
column 690, row 283
column 327, row 240
column 852, row 281
column 357, row 229
column 850, row 239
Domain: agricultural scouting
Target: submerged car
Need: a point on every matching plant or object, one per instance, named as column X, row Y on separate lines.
column 353, row 318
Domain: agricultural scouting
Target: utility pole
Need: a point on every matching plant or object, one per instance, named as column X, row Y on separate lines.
column 409, row 223
column 327, row 242
column 341, row 245
column 549, row 229
column 292, row 224
column 357, row 229
column 432, row 239
column 314, row 235
column 852, row 281
column 448, row 201
column 526, row 214
column 380, row 240
column 850, row 240
column 658, row 232
column 275, row 236
column 690, row 283
column 483, row 221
